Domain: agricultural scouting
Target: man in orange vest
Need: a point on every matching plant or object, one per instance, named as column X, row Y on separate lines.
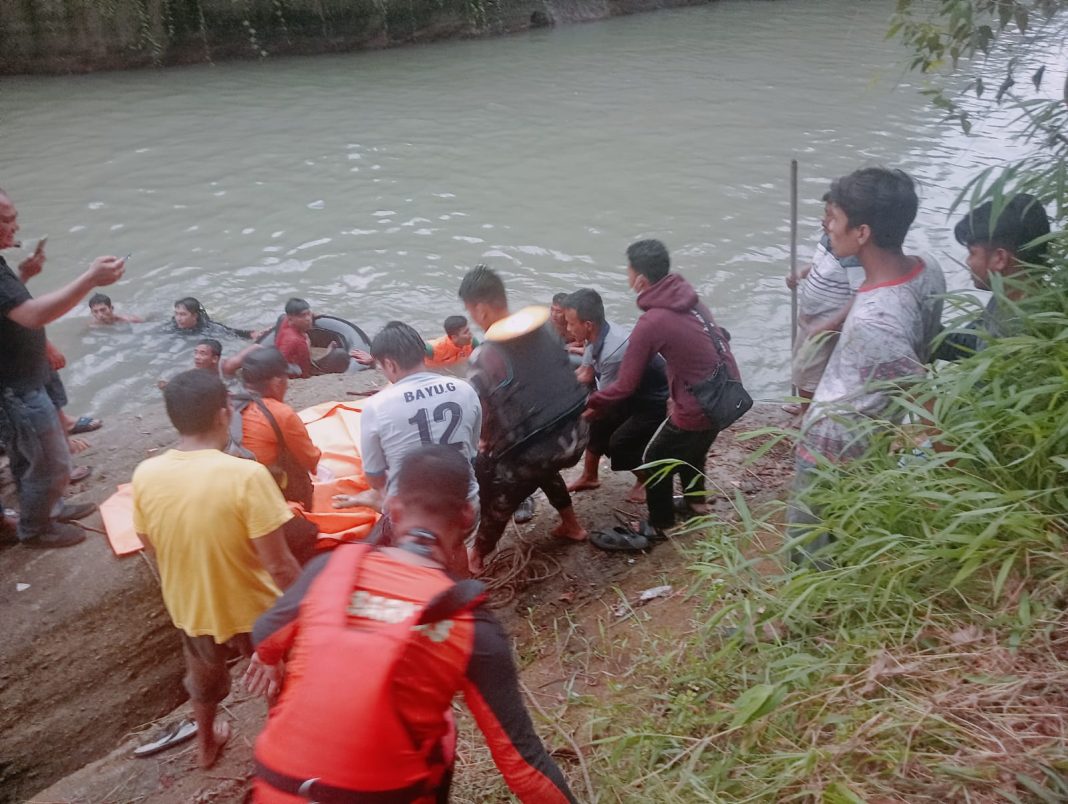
column 377, row 642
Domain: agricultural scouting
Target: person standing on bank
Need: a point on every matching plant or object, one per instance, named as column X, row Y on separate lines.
column 37, row 442
column 531, row 408
column 674, row 324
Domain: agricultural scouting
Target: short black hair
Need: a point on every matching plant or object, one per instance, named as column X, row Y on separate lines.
column 1012, row 227
column 482, row 285
column 211, row 343
column 558, row 299
column 400, row 343
column 650, row 259
column 883, row 199
column 296, row 306
column 193, row 399
column 587, row 304
column 261, row 365
column 99, row 298
column 435, row 477
column 454, row 323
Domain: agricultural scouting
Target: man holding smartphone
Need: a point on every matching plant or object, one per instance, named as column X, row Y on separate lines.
column 35, row 439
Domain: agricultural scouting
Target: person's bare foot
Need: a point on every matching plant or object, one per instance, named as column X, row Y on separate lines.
column 209, row 748
column 636, row 493
column 564, row 530
column 584, row 483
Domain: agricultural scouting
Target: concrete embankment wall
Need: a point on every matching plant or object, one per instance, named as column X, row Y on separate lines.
column 60, row 36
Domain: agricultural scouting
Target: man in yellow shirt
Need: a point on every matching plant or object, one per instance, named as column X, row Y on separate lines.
column 214, row 523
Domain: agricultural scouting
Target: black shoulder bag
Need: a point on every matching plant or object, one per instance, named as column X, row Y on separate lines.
column 723, row 398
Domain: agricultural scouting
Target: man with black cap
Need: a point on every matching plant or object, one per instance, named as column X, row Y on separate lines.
column 1000, row 240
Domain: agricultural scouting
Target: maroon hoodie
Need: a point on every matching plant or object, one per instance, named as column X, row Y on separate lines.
column 668, row 326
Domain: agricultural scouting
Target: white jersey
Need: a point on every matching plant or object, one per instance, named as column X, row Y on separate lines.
column 422, row 408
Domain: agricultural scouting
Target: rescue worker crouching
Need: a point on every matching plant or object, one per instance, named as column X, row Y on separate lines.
column 386, row 732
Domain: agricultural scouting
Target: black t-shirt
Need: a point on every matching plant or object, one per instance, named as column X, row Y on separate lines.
column 25, row 365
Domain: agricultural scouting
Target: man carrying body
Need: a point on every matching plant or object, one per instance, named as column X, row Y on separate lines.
column 997, row 244
column 359, row 618
column 626, row 428
column 674, row 324
column 214, row 523
column 532, row 407
column 37, row 443
column 886, row 337
column 418, row 408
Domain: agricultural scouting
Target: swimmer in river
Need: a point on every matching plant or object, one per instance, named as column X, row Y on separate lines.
column 104, row 312
column 190, row 318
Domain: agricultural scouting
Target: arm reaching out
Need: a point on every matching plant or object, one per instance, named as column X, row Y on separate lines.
column 36, row 313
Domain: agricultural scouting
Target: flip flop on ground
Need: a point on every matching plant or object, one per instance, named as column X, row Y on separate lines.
column 86, row 424
column 619, row 539
column 80, row 473
column 181, row 732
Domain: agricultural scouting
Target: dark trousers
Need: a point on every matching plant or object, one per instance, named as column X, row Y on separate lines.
column 624, row 431
column 672, row 443
column 40, row 457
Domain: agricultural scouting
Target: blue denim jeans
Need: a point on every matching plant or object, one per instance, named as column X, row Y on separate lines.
column 40, row 457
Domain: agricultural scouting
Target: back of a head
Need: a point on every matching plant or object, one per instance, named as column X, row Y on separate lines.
column 454, row 324
column 1012, row 226
column 99, row 298
column 481, row 285
column 435, row 478
column 587, row 305
column 261, row 365
column 296, row 306
column 211, row 343
column 400, row 343
column 194, row 399
column 885, row 200
column 649, row 258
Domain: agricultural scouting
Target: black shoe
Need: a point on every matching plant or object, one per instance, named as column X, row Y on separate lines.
column 74, row 511
column 59, row 535
column 525, row 512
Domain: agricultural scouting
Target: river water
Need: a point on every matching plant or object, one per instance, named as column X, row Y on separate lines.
column 368, row 183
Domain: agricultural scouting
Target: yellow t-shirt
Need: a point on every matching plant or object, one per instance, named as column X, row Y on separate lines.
column 200, row 511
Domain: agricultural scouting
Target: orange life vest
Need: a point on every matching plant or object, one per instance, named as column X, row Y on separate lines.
column 446, row 352
column 338, row 724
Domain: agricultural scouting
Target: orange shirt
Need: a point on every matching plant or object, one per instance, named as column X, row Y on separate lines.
column 258, row 436
column 444, row 352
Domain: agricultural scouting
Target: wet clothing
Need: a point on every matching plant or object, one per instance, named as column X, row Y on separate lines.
column 332, row 725
column 886, row 338
column 668, row 327
column 207, row 677
column 36, row 441
column 200, row 510
column 443, row 352
column 294, row 347
column 422, row 408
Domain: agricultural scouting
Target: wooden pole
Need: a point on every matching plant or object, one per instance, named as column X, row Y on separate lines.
column 793, row 258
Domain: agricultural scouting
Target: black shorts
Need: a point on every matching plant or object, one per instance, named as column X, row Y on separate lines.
column 623, row 433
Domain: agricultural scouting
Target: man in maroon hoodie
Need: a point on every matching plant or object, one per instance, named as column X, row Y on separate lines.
column 671, row 324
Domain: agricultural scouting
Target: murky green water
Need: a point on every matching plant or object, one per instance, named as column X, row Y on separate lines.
column 368, row 183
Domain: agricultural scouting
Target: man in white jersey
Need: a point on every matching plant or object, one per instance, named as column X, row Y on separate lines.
column 886, row 338
column 420, row 407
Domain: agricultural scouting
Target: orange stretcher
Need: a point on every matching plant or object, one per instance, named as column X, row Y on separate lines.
column 334, row 428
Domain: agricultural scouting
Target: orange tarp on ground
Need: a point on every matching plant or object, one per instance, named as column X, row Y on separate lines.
column 334, row 428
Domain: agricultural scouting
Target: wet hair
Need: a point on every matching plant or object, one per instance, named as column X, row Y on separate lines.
column 400, row 343
column 883, row 199
column 587, row 305
column 454, row 323
column 1020, row 221
column 99, row 298
column 196, row 308
column 193, row 399
column 558, row 299
column 482, row 285
column 650, row 259
column 261, row 365
column 211, row 343
column 296, row 306
column 435, row 477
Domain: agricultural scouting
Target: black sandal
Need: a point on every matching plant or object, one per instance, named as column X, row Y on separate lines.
column 619, row 539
